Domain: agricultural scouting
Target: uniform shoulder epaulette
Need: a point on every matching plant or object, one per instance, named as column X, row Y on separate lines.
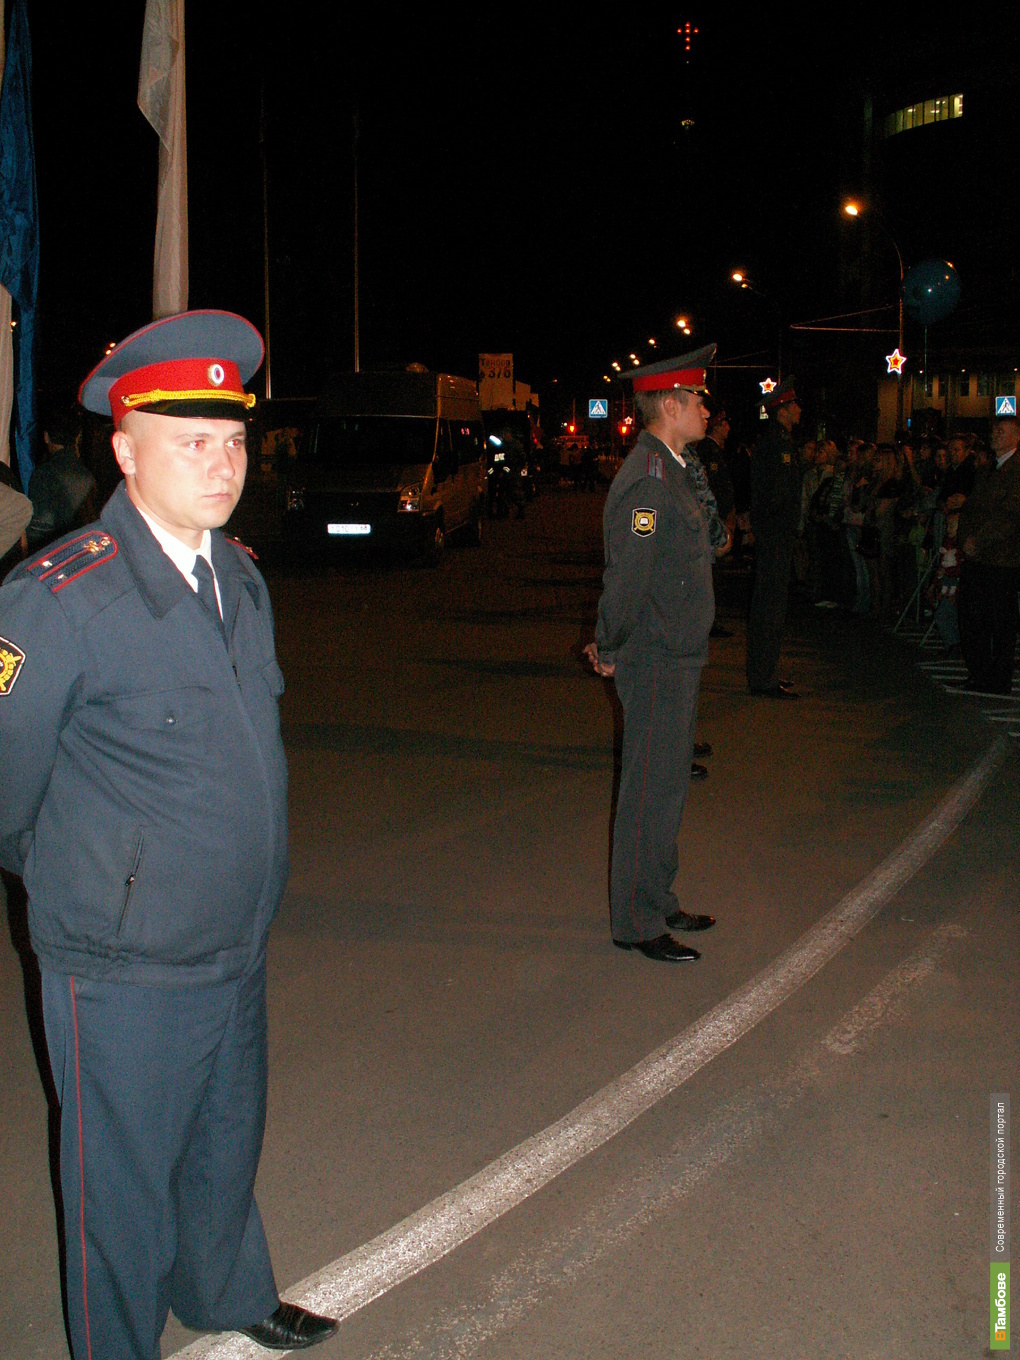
column 655, row 466
column 243, row 546
column 59, row 566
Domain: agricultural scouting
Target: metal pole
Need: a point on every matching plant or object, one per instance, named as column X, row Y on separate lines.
column 265, row 237
column 357, row 313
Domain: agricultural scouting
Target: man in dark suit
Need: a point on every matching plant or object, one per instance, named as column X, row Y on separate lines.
column 989, row 539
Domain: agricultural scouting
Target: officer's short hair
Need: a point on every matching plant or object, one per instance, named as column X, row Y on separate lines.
column 649, row 404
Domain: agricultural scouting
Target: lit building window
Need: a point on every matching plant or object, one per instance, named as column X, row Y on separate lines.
column 938, row 110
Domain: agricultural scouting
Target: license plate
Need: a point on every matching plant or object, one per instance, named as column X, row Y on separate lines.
column 355, row 529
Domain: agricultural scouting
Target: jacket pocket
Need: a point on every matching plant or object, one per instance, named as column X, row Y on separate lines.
column 129, row 882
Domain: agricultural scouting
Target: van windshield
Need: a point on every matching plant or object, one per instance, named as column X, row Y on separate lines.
column 380, row 441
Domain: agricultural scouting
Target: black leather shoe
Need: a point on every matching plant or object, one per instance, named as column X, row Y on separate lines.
column 699, row 771
column 291, row 1328
column 663, row 948
column 775, row 692
column 702, row 749
column 683, row 920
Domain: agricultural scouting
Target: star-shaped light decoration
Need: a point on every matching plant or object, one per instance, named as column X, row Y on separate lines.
column 895, row 362
column 769, row 385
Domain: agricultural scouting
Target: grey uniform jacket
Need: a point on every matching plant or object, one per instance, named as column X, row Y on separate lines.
column 657, row 598
column 145, row 785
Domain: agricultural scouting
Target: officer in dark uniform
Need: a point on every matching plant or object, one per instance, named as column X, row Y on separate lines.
column 138, row 705
column 654, row 619
column 775, row 514
column 711, row 451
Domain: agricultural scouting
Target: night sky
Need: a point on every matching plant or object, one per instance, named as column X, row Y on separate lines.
column 526, row 179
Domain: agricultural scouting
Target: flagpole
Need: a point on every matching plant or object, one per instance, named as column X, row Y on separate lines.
column 357, row 321
column 265, row 238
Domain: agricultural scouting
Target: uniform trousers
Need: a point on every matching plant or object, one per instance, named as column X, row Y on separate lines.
column 660, row 703
column 986, row 605
column 163, row 1100
column 773, row 555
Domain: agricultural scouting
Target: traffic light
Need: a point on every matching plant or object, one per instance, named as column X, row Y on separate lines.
column 571, row 428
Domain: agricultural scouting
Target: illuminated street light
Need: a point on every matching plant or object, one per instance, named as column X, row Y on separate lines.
column 682, row 322
column 635, row 361
column 853, row 208
column 616, row 366
column 651, row 342
column 740, row 278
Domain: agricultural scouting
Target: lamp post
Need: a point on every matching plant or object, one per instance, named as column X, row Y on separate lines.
column 742, row 281
column 853, row 208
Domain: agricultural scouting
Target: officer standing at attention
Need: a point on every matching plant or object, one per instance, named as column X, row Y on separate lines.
column 138, row 704
column 775, row 515
column 654, row 618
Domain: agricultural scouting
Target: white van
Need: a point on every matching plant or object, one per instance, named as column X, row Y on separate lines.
column 395, row 460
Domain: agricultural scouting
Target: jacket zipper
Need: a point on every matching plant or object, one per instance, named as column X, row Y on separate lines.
column 129, row 882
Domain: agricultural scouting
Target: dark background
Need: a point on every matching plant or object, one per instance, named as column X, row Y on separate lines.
column 527, row 183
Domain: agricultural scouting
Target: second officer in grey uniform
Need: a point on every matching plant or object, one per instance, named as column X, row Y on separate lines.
column 654, row 619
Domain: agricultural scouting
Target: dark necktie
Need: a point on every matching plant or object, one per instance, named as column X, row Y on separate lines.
column 207, row 587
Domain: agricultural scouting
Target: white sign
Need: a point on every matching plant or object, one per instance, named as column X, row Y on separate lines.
column 598, row 408
column 344, row 529
column 1005, row 406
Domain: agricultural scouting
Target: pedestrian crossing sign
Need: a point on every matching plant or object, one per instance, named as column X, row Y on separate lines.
column 1005, row 406
column 598, row 408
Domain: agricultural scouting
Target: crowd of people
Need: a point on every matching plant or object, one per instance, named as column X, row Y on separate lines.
column 877, row 522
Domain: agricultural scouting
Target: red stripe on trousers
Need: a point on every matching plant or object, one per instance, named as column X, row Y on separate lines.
column 81, row 1176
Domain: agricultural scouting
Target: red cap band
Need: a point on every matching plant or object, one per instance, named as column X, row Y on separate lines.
column 191, row 380
column 680, row 377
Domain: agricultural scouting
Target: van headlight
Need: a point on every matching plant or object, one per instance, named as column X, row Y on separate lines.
column 410, row 500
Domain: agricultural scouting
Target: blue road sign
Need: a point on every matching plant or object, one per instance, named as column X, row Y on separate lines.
column 598, row 408
column 1005, row 406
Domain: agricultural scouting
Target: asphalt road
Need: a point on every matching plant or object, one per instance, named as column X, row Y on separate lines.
column 443, row 986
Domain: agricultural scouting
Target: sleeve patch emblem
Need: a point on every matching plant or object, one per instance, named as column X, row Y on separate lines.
column 11, row 660
column 643, row 522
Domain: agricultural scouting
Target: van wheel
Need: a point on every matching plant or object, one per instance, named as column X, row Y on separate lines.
column 437, row 544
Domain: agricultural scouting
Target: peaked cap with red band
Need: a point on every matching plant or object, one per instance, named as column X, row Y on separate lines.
column 686, row 373
column 191, row 364
column 780, row 396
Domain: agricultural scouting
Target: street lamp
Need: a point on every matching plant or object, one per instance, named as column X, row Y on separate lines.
column 854, row 208
column 740, row 278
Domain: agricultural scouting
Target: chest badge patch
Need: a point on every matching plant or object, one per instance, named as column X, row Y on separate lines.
column 786, row 457
column 12, row 658
column 642, row 522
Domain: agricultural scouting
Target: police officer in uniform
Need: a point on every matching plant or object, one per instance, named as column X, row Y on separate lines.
column 775, row 514
column 654, row 619
column 138, row 704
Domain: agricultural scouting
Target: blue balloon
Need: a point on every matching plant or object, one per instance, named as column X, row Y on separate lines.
column 931, row 290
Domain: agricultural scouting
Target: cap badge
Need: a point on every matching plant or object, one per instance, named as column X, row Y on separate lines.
column 216, row 375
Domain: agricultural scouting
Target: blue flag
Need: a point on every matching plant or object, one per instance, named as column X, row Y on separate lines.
column 19, row 227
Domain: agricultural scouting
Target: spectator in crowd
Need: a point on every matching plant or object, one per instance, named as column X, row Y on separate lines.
column 958, row 482
column 62, row 489
column 989, row 534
